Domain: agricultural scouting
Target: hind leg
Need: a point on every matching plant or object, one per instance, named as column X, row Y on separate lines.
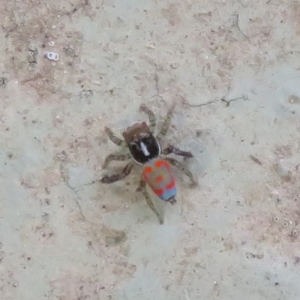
column 170, row 149
column 182, row 168
column 142, row 188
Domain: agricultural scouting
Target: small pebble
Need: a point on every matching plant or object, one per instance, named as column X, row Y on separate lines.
column 52, row 56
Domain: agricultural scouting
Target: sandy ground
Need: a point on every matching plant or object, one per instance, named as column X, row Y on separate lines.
column 233, row 237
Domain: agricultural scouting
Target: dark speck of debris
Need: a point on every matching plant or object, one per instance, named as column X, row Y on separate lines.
column 116, row 239
column 198, row 133
column 252, row 255
column 296, row 260
column 255, row 159
column 3, row 81
column 276, row 283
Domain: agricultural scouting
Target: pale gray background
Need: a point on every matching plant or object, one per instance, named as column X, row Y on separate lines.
column 233, row 237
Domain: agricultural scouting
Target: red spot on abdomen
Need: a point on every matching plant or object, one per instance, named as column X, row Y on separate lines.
column 159, row 178
column 147, row 170
column 170, row 185
column 161, row 163
column 158, row 192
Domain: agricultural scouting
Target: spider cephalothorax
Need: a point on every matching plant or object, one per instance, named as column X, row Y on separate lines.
column 145, row 150
column 142, row 145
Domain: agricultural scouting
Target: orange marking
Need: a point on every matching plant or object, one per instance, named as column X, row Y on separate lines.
column 147, row 170
column 170, row 185
column 161, row 163
column 158, row 192
column 159, row 178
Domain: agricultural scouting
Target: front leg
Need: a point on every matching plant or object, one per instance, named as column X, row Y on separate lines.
column 151, row 115
column 114, row 138
column 170, row 149
column 117, row 177
column 166, row 123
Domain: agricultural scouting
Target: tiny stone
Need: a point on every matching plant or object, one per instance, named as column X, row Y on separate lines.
column 69, row 52
column 295, row 233
column 32, row 47
column 294, row 99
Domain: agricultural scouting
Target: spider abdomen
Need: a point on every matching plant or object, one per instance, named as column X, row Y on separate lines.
column 158, row 175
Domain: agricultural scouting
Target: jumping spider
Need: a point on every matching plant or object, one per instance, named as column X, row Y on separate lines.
column 145, row 150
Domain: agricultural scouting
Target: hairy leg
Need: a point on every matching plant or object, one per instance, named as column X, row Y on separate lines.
column 151, row 115
column 117, row 157
column 115, row 139
column 182, row 168
column 117, row 177
column 142, row 188
column 166, row 123
column 171, row 149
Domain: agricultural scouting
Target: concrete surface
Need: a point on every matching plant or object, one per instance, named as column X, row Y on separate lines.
column 233, row 237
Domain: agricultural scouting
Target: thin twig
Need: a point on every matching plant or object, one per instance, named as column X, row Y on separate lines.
column 65, row 178
column 237, row 24
column 244, row 97
column 203, row 104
